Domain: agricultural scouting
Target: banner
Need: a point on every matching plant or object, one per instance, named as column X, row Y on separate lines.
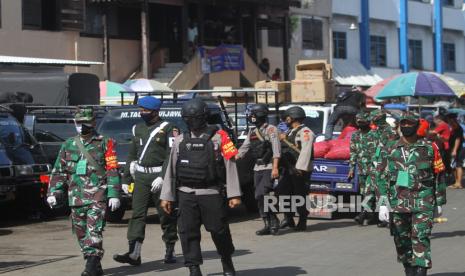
column 222, row 58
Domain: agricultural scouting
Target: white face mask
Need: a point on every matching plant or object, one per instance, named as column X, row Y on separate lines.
column 78, row 127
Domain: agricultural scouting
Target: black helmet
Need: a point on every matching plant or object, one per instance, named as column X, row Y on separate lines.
column 195, row 114
column 259, row 110
column 295, row 112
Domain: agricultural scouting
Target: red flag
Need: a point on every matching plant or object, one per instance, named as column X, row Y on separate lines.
column 438, row 165
column 228, row 149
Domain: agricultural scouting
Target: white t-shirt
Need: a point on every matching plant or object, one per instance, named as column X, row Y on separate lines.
column 192, row 33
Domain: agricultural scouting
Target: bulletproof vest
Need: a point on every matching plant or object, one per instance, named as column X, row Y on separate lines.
column 287, row 151
column 196, row 164
column 261, row 149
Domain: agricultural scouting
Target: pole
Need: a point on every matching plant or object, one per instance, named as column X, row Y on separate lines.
column 286, row 47
column 438, row 37
column 145, row 42
column 106, row 46
column 403, row 36
column 365, row 34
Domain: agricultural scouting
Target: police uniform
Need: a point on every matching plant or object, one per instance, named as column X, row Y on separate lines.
column 298, row 161
column 193, row 180
column 87, row 170
column 264, row 147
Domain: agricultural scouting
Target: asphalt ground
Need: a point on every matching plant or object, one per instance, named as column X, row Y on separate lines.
column 328, row 247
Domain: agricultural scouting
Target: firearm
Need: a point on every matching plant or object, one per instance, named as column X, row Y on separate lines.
column 228, row 120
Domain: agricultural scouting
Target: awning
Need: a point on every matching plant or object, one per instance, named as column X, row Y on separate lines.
column 352, row 72
column 45, row 61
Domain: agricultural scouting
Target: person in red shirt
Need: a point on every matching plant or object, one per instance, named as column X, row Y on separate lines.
column 277, row 75
column 441, row 135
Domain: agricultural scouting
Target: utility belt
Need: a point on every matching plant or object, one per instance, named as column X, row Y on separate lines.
column 199, row 186
column 148, row 170
column 263, row 161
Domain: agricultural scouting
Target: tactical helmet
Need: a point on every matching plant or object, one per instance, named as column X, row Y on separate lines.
column 259, row 110
column 295, row 112
column 195, row 113
column 84, row 114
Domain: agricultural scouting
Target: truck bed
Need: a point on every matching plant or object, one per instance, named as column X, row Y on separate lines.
column 331, row 176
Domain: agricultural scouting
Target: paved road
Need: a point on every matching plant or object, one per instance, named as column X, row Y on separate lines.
column 336, row 247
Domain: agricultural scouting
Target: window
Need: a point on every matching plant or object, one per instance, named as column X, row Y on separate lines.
column 415, row 54
column 448, row 3
column 53, row 15
column 378, row 50
column 340, row 45
column 448, row 56
column 312, row 34
column 275, row 38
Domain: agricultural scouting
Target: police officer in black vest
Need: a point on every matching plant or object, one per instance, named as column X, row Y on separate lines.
column 194, row 179
column 263, row 142
column 297, row 157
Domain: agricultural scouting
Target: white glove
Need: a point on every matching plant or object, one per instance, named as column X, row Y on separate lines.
column 383, row 213
column 114, row 204
column 156, row 184
column 52, row 201
column 438, row 211
column 132, row 168
column 125, row 188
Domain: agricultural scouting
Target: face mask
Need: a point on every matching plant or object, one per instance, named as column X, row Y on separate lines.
column 408, row 131
column 147, row 116
column 363, row 126
column 256, row 121
column 78, row 127
column 84, row 129
column 195, row 123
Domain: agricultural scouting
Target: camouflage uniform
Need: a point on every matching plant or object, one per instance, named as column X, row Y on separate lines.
column 376, row 140
column 412, row 195
column 359, row 157
column 88, row 189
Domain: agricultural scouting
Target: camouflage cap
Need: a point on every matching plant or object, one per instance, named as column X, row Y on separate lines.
column 363, row 116
column 84, row 114
column 409, row 116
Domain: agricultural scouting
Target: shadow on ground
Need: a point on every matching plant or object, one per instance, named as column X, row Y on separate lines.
column 159, row 266
column 274, row 271
column 448, row 274
column 448, row 235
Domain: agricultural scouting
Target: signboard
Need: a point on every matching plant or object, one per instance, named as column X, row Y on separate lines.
column 222, row 58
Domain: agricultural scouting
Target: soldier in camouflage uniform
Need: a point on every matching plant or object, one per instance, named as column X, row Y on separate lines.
column 412, row 183
column 145, row 165
column 376, row 140
column 87, row 168
column 359, row 157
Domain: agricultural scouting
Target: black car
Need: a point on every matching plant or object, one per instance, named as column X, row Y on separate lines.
column 24, row 167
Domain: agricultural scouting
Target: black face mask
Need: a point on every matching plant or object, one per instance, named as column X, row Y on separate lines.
column 86, row 129
column 408, row 131
column 147, row 116
column 363, row 126
column 195, row 123
column 257, row 121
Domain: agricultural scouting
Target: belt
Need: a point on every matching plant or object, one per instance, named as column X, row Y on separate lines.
column 143, row 169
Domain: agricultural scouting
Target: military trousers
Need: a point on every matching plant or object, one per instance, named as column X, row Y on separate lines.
column 88, row 223
column 141, row 199
column 412, row 233
column 263, row 186
column 209, row 210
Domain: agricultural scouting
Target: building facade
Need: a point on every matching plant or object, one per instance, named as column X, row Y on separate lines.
column 378, row 42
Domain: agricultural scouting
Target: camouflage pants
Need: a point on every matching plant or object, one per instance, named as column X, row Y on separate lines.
column 370, row 191
column 362, row 184
column 88, row 224
column 412, row 237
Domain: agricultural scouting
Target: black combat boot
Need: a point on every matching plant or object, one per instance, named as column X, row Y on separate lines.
column 228, row 266
column 266, row 228
column 126, row 258
column 99, row 267
column 421, row 271
column 91, row 266
column 409, row 270
column 302, row 224
column 368, row 218
column 194, row 270
column 288, row 221
column 361, row 217
column 274, row 224
column 169, row 255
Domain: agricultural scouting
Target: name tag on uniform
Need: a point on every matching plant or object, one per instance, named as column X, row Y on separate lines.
column 171, row 141
column 81, row 167
column 403, row 179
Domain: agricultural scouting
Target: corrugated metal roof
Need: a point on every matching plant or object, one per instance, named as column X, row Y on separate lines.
column 45, row 61
column 352, row 72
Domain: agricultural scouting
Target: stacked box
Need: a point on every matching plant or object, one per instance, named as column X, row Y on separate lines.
column 283, row 88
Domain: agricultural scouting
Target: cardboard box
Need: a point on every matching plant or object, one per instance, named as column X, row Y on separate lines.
column 283, row 88
column 312, row 91
column 314, row 69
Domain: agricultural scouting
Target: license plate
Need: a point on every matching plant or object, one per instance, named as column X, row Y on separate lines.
column 319, row 207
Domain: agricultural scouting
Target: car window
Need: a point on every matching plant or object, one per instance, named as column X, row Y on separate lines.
column 11, row 133
column 63, row 129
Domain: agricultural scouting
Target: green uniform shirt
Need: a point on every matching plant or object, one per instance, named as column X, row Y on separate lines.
column 157, row 151
column 85, row 184
column 359, row 154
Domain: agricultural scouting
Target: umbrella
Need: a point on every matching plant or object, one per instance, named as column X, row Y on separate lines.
column 146, row 85
column 373, row 91
column 415, row 84
column 112, row 89
column 457, row 86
